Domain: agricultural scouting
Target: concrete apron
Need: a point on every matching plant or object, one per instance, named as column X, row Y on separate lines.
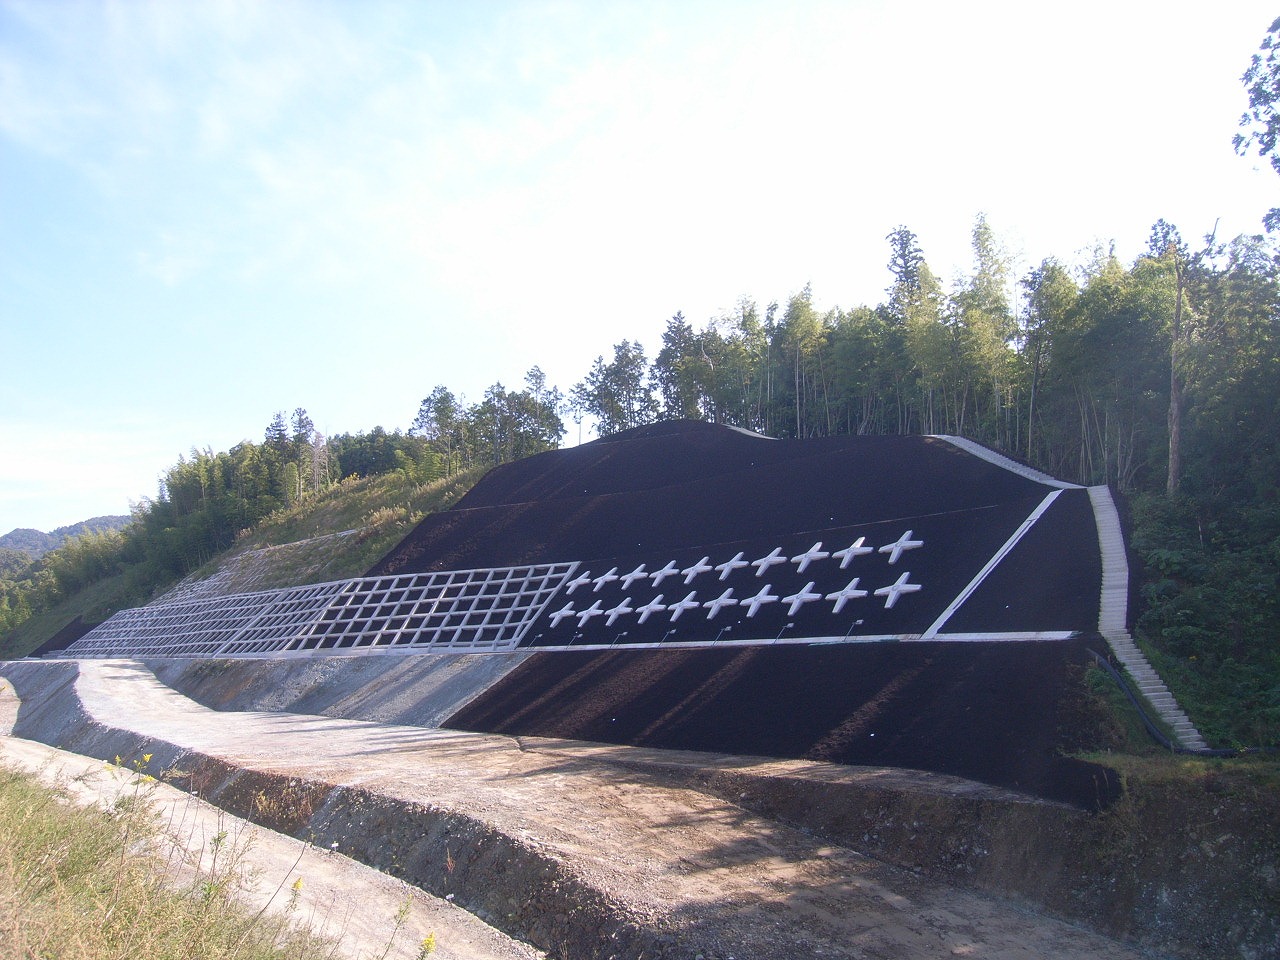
column 361, row 911
column 536, row 843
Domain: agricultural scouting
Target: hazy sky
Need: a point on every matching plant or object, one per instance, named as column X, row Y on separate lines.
column 213, row 211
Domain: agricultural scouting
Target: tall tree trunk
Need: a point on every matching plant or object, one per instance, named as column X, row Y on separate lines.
column 1175, row 396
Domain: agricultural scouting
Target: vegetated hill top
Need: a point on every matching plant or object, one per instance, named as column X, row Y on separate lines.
column 35, row 543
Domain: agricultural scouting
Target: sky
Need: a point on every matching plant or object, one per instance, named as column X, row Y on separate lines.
column 214, row 211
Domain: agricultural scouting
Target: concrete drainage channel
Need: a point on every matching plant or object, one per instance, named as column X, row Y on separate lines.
column 589, row 851
column 505, row 883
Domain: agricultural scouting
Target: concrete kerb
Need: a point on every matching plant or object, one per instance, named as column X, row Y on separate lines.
column 994, row 840
column 548, row 912
column 361, row 911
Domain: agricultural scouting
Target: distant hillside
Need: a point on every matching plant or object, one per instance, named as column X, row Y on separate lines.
column 36, row 544
column 12, row 561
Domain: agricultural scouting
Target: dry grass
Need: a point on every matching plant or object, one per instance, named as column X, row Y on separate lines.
column 377, row 511
column 95, row 883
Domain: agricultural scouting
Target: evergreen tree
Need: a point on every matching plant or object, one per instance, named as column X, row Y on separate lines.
column 617, row 393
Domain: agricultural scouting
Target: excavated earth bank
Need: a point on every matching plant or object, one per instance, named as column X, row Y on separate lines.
column 587, row 850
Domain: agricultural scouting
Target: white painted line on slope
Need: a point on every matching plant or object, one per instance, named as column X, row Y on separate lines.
column 991, row 564
column 1005, row 463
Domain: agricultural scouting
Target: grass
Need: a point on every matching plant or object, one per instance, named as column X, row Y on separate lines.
column 378, row 501
column 1125, row 731
column 92, row 883
column 1225, row 775
column 380, row 511
column 1139, row 759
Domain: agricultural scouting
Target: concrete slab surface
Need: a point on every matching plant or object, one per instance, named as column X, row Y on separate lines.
column 581, row 857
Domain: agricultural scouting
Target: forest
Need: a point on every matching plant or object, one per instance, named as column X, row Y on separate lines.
column 1159, row 377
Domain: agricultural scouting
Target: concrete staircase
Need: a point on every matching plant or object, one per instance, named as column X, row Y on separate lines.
column 1112, row 617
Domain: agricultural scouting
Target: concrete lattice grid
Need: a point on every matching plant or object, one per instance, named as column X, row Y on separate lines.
column 455, row 611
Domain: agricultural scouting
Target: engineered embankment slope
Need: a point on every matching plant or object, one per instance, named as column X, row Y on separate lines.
column 582, row 858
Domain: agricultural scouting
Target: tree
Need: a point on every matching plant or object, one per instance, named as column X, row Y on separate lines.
column 292, row 483
column 541, row 404
column 1232, row 448
column 1103, row 382
column 616, row 393
column 917, row 342
column 675, row 371
column 509, row 425
column 1167, row 248
column 276, row 453
column 276, row 435
column 748, row 356
column 302, row 426
column 801, row 336
column 1051, row 295
column 545, row 402
column 319, row 461
column 926, row 377
column 865, row 353
column 304, row 455
column 905, row 262
column 1262, row 119
column 985, row 330
column 440, row 423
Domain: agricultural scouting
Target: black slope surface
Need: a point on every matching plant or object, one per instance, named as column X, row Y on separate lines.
column 1000, row 713
column 696, row 495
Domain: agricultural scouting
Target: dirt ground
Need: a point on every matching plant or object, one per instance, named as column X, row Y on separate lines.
column 581, row 858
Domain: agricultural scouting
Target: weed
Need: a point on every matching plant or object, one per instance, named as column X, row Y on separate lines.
column 401, row 916
column 91, row 882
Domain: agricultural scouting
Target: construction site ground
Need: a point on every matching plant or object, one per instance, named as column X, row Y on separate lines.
column 584, row 850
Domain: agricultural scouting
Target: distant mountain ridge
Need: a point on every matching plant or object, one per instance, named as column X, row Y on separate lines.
column 35, row 543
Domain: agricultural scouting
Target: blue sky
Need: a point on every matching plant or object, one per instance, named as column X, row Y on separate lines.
column 213, row 211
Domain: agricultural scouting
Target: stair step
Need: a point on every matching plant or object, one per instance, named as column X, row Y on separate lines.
column 1142, row 675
